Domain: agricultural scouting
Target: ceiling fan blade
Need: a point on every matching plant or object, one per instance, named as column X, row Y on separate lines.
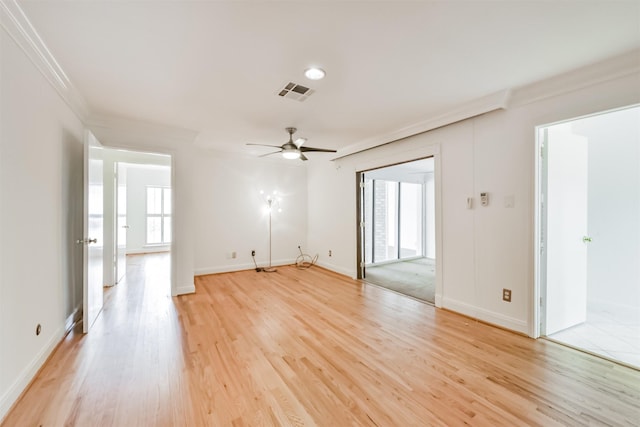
column 291, row 149
column 268, row 154
column 265, row 145
column 321, row 150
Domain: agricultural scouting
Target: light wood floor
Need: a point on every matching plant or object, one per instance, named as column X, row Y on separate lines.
column 309, row 347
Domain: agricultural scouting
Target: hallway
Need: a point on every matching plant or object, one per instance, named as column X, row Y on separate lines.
column 132, row 354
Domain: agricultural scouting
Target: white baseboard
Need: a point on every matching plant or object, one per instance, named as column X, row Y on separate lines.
column 239, row 267
column 487, row 316
column 337, row 269
column 26, row 376
column 148, row 250
column 396, row 261
column 250, row 266
column 186, row 289
column 438, row 300
column 612, row 306
column 222, row 269
column 74, row 317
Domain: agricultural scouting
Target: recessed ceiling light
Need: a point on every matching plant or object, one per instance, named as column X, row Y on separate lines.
column 314, row 73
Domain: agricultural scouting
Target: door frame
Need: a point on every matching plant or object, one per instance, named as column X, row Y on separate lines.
column 360, row 256
column 540, row 183
column 119, row 178
column 540, row 259
column 361, row 177
column 431, row 150
column 172, row 250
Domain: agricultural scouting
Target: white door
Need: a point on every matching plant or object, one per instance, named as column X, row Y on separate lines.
column 93, row 240
column 566, row 237
column 121, row 221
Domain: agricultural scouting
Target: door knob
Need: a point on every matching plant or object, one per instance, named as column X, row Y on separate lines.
column 87, row 241
column 586, row 239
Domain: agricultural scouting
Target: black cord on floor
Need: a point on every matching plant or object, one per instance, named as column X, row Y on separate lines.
column 258, row 269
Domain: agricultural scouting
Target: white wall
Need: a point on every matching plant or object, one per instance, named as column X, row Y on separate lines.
column 229, row 213
column 139, row 177
column 40, row 219
column 332, row 216
column 211, row 218
column 485, row 249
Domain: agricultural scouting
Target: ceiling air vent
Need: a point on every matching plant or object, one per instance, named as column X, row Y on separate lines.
column 295, row 91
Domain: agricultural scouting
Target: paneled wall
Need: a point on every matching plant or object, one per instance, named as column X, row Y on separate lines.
column 485, row 248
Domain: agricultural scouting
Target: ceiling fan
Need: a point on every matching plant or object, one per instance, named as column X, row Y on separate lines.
column 293, row 150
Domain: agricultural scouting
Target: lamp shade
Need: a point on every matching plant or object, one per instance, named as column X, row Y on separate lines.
column 291, row 154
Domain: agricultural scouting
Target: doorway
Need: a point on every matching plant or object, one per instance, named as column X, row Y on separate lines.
column 142, row 212
column 588, row 231
column 397, row 239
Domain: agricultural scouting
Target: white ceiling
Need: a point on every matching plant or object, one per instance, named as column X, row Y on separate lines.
column 215, row 67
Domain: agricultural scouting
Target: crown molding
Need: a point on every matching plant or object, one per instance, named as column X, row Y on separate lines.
column 495, row 101
column 610, row 69
column 120, row 131
column 17, row 25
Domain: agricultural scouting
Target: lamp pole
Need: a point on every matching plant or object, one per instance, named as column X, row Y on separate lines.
column 269, row 269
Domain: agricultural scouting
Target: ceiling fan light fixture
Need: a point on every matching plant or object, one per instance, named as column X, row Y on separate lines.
column 314, row 73
column 293, row 150
column 291, row 154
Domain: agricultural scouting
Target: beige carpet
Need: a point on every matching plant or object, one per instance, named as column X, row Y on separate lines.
column 416, row 278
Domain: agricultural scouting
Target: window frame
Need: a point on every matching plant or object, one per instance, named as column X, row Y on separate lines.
column 162, row 215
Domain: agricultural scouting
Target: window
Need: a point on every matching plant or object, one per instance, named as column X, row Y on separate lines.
column 393, row 220
column 410, row 223
column 158, row 215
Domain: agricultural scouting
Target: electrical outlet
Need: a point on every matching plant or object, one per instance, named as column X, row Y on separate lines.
column 506, row 295
column 253, row 253
column 330, row 252
column 38, row 329
column 234, row 255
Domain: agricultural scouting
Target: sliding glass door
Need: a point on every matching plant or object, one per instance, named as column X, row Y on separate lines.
column 411, row 220
column 393, row 220
column 385, row 225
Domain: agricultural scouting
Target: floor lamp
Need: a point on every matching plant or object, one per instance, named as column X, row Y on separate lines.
column 271, row 201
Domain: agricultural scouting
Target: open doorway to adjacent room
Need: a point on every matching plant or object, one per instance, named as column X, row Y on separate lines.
column 142, row 219
column 397, row 228
column 588, row 233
